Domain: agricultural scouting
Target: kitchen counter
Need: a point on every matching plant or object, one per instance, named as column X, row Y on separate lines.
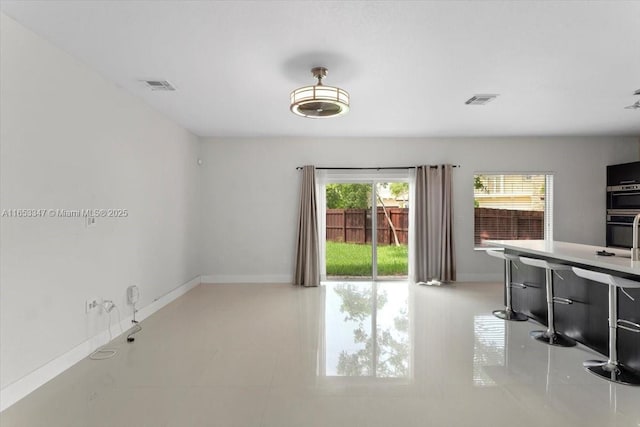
column 585, row 318
column 574, row 253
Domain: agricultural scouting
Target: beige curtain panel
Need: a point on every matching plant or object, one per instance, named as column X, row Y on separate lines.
column 434, row 253
column 307, row 244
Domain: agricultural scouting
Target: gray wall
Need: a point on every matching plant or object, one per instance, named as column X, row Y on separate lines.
column 72, row 140
column 250, row 191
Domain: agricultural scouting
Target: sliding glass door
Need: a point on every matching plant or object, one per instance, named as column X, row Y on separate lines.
column 365, row 227
column 392, row 230
column 349, row 253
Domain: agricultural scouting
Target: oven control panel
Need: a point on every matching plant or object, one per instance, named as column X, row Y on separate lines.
column 630, row 187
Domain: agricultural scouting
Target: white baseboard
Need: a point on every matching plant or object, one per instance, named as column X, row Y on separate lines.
column 165, row 299
column 257, row 278
column 282, row 278
column 27, row 384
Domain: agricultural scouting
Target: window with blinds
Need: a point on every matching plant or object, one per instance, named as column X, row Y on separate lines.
column 512, row 207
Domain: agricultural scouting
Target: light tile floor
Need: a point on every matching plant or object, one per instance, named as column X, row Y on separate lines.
column 360, row 354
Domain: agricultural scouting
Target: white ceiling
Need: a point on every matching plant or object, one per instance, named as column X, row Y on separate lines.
column 561, row 68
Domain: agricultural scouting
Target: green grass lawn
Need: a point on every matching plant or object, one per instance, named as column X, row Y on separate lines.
column 350, row 259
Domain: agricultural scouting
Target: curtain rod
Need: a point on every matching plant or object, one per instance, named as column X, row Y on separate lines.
column 373, row 168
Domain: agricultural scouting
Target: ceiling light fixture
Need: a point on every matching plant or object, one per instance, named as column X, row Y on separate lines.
column 319, row 101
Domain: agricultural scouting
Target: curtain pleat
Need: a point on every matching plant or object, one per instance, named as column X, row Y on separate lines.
column 419, row 205
column 307, row 272
column 434, row 251
column 447, row 258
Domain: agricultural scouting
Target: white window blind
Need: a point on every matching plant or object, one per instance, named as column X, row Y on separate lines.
column 512, row 207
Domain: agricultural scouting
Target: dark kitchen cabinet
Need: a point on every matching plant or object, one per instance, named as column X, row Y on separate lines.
column 629, row 342
column 586, row 318
column 530, row 299
column 622, row 174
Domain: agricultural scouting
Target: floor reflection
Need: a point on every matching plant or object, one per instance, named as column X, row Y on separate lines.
column 366, row 330
column 488, row 348
column 338, row 355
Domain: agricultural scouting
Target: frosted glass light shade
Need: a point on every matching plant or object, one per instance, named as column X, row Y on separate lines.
column 319, row 101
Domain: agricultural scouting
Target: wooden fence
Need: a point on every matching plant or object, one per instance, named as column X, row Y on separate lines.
column 505, row 224
column 354, row 225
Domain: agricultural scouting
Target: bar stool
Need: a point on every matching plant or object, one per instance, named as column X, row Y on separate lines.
column 550, row 336
column 508, row 313
column 611, row 369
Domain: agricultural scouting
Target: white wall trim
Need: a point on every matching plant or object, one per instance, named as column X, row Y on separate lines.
column 214, row 279
column 27, row 384
column 165, row 299
column 256, row 278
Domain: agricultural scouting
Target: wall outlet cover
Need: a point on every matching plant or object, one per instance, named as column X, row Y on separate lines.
column 91, row 304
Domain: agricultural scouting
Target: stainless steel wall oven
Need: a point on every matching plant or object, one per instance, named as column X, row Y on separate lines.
column 623, row 202
column 619, row 231
column 623, row 197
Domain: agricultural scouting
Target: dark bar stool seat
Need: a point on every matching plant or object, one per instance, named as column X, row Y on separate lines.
column 508, row 313
column 611, row 369
column 550, row 336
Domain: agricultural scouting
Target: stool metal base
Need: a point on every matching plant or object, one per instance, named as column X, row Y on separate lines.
column 556, row 339
column 510, row 315
column 614, row 373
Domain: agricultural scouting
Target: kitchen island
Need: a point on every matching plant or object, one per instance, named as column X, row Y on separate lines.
column 585, row 318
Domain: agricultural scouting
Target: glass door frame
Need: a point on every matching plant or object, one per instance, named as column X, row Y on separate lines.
column 372, row 177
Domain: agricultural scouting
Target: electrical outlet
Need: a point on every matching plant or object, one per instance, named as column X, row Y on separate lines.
column 90, row 304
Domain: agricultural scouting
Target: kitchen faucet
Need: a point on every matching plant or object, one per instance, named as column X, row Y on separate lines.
column 635, row 252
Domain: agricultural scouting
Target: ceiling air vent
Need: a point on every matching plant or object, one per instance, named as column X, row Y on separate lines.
column 635, row 105
column 481, row 99
column 159, row 85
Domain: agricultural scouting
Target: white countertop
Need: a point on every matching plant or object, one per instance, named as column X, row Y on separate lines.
column 574, row 252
